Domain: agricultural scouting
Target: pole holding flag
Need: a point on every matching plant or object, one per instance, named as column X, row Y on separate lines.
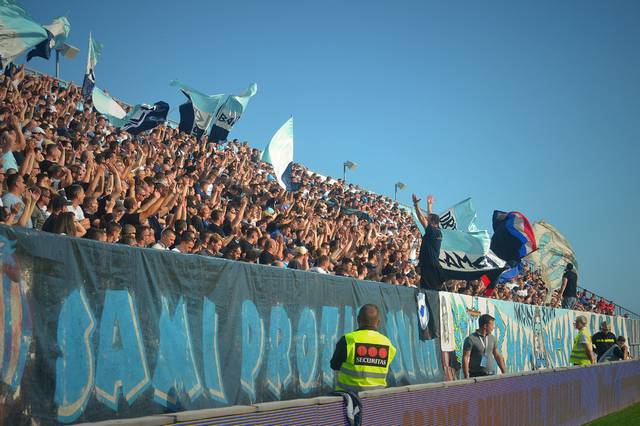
column 93, row 54
column 279, row 153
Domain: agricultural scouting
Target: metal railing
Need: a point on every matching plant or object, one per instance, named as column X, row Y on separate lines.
column 617, row 309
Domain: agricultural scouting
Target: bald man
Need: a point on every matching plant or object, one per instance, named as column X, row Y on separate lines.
column 582, row 351
column 362, row 357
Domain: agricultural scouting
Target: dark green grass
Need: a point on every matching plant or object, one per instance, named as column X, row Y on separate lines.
column 629, row 416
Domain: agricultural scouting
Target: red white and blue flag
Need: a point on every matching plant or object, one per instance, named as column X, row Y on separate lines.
column 513, row 236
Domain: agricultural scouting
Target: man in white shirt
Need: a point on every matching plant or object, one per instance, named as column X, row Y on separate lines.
column 167, row 238
column 75, row 194
column 323, row 265
column 187, row 241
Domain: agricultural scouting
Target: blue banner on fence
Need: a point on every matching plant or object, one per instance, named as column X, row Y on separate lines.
column 95, row 331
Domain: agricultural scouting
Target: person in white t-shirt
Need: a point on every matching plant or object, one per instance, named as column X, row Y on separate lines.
column 75, row 194
column 167, row 238
column 323, row 265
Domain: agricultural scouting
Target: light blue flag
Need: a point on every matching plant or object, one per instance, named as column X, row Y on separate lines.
column 93, row 54
column 108, row 107
column 18, row 31
column 464, row 248
column 279, row 153
column 59, row 28
column 230, row 112
column 461, row 216
column 205, row 106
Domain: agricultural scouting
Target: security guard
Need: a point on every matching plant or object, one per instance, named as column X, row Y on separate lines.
column 362, row 357
column 582, row 351
column 603, row 339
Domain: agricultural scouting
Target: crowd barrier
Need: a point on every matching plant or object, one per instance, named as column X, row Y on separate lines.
column 93, row 331
column 565, row 396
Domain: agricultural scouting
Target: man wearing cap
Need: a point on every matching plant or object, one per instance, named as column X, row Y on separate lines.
column 300, row 259
column 603, row 339
column 362, row 357
column 582, row 351
column 569, row 289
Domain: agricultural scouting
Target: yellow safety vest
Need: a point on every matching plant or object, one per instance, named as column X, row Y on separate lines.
column 579, row 352
column 369, row 355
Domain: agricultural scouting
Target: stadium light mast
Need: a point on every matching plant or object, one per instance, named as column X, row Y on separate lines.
column 68, row 51
column 348, row 165
column 399, row 186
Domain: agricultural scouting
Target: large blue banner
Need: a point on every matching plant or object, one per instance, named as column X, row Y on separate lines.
column 92, row 331
column 529, row 337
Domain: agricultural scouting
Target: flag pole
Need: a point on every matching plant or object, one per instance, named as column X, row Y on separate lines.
column 57, row 64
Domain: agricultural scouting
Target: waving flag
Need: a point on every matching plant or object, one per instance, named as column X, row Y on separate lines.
column 279, row 153
column 553, row 253
column 196, row 115
column 108, row 107
column 230, row 112
column 513, row 236
column 146, row 117
column 511, row 273
column 139, row 119
column 18, row 32
column 57, row 33
column 93, row 54
column 465, row 251
column 461, row 216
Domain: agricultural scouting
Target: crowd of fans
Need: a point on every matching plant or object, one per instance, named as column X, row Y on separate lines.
column 528, row 287
column 66, row 170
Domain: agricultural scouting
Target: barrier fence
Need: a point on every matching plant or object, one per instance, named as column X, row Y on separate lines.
column 94, row 331
column 565, row 396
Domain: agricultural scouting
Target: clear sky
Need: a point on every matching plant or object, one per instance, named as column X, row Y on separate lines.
column 530, row 106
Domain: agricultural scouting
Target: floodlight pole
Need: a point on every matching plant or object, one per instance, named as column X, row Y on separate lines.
column 395, row 192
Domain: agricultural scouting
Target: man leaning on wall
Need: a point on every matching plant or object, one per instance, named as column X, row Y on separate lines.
column 582, row 351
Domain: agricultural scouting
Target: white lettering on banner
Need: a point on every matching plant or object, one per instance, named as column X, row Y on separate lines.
column 369, row 361
column 460, row 261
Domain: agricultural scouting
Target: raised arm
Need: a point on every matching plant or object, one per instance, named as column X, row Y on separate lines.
column 421, row 218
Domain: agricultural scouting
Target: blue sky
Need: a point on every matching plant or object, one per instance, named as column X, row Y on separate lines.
column 528, row 106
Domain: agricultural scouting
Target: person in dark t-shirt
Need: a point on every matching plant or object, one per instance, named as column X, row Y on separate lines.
column 429, row 258
column 603, row 339
column 617, row 352
column 569, row 290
